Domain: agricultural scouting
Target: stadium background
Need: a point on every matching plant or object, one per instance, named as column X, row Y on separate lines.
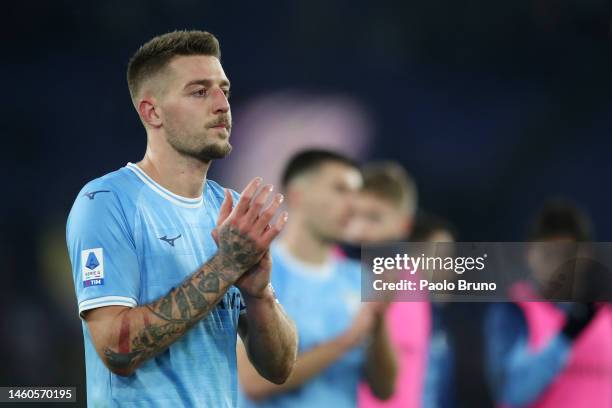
column 492, row 106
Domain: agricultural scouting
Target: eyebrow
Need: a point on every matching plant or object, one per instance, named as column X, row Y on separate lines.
column 207, row 83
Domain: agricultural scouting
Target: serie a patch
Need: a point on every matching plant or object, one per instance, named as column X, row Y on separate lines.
column 92, row 267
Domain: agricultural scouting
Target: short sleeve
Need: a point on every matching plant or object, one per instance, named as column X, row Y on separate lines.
column 102, row 251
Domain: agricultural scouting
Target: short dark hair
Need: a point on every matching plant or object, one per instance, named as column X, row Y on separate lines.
column 155, row 55
column 427, row 223
column 308, row 160
column 389, row 181
column 561, row 217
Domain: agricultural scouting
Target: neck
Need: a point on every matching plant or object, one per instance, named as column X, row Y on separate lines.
column 303, row 244
column 174, row 171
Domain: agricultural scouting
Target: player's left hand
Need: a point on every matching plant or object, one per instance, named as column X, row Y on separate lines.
column 255, row 281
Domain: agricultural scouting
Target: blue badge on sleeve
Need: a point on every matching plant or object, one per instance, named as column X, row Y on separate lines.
column 92, row 267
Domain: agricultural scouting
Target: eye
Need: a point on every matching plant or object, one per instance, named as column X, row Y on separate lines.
column 200, row 92
column 227, row 93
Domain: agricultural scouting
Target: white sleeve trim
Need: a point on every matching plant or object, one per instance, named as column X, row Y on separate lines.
column 105, row 301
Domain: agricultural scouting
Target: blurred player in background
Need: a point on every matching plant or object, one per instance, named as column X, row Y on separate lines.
column 549, row 354
column 166, row 272
column 386, row 213
column 341, row 340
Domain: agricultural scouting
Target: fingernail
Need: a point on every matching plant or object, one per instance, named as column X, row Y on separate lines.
column 258, row 180
column 280, row 198
column 285, row 216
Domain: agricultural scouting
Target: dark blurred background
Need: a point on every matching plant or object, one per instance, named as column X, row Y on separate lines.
column 493, row 106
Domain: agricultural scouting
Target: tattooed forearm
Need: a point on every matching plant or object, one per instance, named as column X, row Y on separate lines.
column 209, row 283
column 148, row 330
column 145, row 342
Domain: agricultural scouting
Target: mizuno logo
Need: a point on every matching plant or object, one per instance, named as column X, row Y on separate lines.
column 92, row 194
column 170, row 240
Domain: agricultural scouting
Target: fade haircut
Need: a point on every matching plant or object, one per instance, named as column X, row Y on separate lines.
column 389, row 181
column 309, row 160
column 152, row 57
column 561, row 217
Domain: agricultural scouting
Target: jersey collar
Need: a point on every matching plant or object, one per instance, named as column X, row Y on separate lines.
column 164, row 192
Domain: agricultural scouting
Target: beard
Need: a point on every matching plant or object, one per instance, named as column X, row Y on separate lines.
column 199, row 146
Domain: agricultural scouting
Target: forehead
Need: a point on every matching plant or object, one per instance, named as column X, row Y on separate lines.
column 197, row 67
column 370, row 201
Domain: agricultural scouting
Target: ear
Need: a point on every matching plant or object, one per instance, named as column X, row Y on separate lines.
column 148, row 113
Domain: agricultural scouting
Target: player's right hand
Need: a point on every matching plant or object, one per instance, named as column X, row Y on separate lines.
column 243, row 232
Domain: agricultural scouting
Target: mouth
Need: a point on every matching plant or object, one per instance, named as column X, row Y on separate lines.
column 222, row 130
column 222, row 125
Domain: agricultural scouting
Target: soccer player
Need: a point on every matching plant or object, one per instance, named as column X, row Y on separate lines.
column 546, row 354
column 341, row 340
column 385, row 212
column 166, row 268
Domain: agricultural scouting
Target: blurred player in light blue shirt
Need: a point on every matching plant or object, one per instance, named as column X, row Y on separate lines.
column 341, row 340
column 169, row 267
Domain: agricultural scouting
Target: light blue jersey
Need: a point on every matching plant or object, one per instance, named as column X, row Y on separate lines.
column 323, row 301
column 130, row 242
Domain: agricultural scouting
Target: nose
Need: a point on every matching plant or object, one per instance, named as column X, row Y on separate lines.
column 220, row 102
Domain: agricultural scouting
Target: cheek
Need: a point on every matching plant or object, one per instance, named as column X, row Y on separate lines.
column 324, row 202
column 342, row 210
column 380, row 231
column 172, row 117
column 181, row 113
column 328, row 213
column 370, row 225
column 398, row 226
column 329, row 216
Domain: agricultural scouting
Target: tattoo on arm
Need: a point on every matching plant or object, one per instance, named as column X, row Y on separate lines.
column 185, row 305
column 241, row 250
column 173, row 314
